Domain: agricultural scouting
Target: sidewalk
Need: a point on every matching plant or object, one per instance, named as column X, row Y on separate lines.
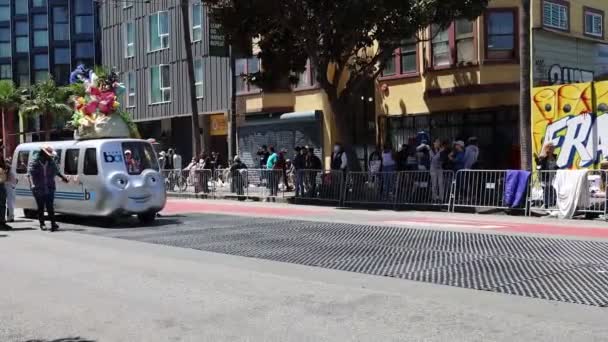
column 582, row 229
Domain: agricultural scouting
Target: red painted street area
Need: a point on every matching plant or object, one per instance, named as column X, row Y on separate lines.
column 406, row 219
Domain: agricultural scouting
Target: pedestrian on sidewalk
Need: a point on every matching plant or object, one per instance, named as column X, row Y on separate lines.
column 11, row 185
column 42, row 171
column 314, row 165
column 299, row 165
column 471, row 154
column 238, row 173
column 3, row 184
column 546, row 164
column 272, row 175
column 439, row 161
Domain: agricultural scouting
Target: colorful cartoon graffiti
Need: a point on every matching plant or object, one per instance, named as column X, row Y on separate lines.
column 574, row 118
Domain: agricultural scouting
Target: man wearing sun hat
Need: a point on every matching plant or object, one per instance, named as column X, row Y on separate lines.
column 42, row 171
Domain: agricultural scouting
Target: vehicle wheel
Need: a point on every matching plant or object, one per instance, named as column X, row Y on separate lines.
column 147, row 218
column 30, row 214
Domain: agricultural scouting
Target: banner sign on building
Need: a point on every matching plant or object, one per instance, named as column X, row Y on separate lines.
column 218, row 45
column 218, row 125
column 574, row 118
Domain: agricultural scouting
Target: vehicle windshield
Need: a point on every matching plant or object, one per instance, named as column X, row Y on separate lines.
column 139, row 156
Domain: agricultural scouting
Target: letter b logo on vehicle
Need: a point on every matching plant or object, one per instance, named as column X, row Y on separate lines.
column 112, row 157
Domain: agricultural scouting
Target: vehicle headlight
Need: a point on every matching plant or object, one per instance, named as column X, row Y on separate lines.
column 153, row 180
column 120, row 181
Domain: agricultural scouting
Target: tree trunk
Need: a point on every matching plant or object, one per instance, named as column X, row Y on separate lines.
column 196, row 134
column 343, row 122
column 47, row 127
column 524, row 84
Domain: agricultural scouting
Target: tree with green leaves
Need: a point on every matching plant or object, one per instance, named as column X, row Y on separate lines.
column 48, row 100
column 339, row 37
column 10, row 99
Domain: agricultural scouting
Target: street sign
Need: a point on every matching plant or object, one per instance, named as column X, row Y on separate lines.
column 218, row 46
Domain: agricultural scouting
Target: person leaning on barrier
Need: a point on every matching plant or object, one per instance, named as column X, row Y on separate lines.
column 314, row 164
column 238, row 180
column 299, row 165
column 546, row 164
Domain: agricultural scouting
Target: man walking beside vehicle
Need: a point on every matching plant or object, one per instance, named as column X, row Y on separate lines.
column 41, row 172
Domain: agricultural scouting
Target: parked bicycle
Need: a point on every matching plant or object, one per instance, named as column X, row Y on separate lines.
column 175, row 180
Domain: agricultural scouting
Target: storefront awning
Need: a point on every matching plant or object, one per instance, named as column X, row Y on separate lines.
column 257, row 120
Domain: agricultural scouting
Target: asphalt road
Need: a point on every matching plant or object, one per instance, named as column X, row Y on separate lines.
column 86, row 284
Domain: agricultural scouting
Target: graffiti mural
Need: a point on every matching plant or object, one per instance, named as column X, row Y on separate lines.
column 574, row 117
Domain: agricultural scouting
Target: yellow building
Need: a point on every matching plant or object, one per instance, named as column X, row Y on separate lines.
column 462, row 83
column 465, row 82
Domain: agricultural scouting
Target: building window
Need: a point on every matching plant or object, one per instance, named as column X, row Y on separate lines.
column 83, row 19
column 594, row 22
column 404, row 61
column 39, row 3
column 198, row 77
column 160, row 84
column 127, row 4
column 5, row 42
column 307, row 78
column 131, row 89
column 6, row 71
column 159, row 31
column 85, row 50
column 23, row 72
column 129, row 39
column 22, row 41
column 465, row 41
column 197, row 22
column 41, row 33
column 5, row 11
column 245, row 66
column 501, row 28
column 21, row 7
column 41, row 67
column 61, row 67
column 556, row 14
column 61, row 28
column 440, row 46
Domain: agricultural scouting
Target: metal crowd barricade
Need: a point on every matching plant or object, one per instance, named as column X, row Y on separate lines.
column 264, row 184
column 319, row 185
column 175, row 180
column 481, row 189
column 424, row 188
column 370, row 188
column 597, row 202
column 544, row 198
column 231, row 184
column 202, row 182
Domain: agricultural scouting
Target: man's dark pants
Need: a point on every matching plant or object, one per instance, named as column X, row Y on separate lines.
column 45, row 200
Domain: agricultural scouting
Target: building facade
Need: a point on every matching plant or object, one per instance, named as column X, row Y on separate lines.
column 465, row 82
column 45, row 38
column 144, row 42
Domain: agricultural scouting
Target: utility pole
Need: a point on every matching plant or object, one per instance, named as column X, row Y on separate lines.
column 196, row 133
column 232, row 147
column 525, row 79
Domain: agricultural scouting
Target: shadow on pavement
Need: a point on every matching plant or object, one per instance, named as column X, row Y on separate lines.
column 20, row 229
column 121, row 223
column 66, row 339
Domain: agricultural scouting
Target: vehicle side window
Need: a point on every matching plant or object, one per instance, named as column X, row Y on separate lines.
column 22, row 161
column 58, row 158
column 90, row 162
column 71, row 161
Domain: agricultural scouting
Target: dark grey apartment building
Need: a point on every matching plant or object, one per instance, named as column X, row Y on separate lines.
column 45, row 38
column 144, row 41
